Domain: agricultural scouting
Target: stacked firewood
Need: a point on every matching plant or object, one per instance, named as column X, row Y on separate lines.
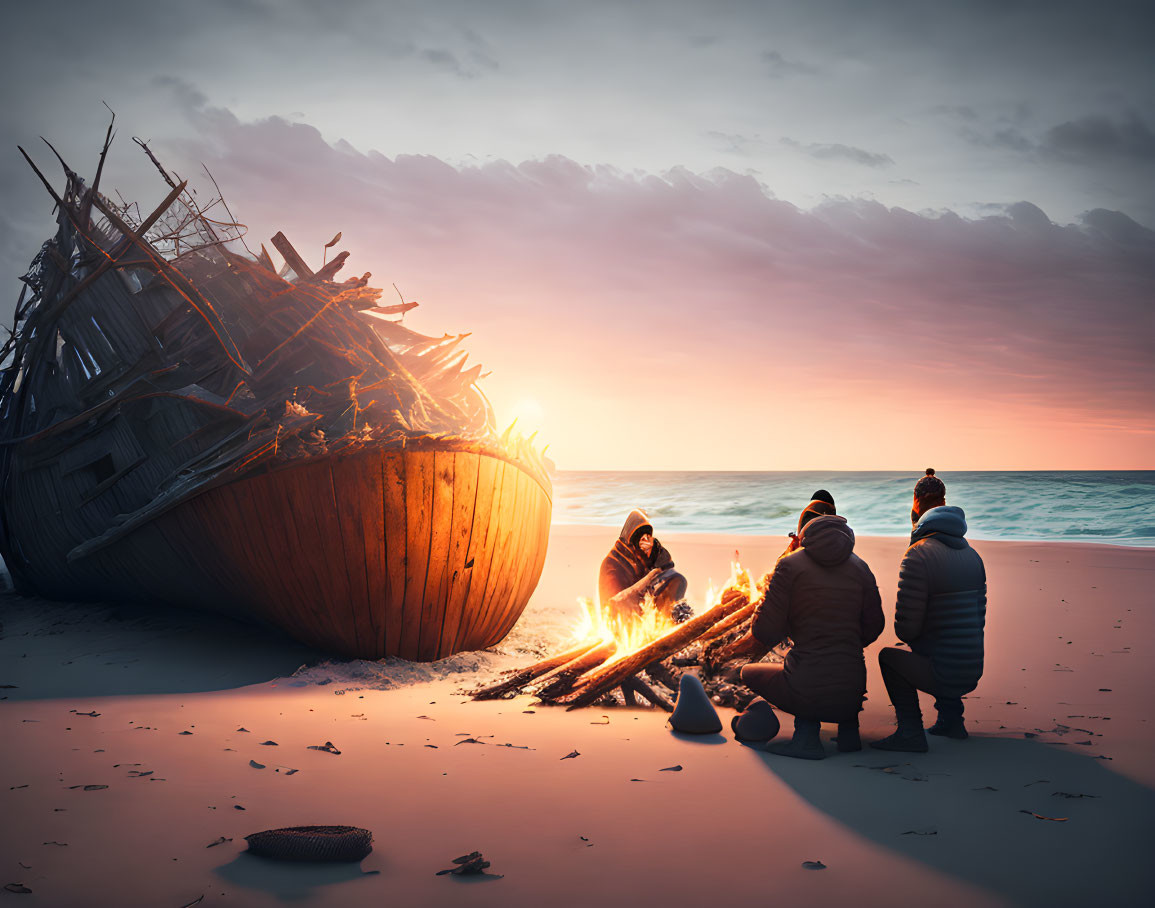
column 297, row 362
column 594, row 673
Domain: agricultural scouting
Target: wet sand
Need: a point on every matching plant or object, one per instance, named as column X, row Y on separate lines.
column 1063, row 710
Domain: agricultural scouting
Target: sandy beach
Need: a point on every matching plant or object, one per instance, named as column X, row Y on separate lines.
column 135, row 742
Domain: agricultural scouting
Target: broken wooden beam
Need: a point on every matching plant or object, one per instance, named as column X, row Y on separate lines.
column 292, row 257
column 524, row 676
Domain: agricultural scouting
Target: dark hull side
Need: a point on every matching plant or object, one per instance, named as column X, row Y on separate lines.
column 381, row 552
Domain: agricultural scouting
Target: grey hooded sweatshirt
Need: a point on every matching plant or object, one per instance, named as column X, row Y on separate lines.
column 942, row 600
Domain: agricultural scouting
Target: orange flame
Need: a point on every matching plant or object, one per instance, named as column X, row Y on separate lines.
column 631, row 633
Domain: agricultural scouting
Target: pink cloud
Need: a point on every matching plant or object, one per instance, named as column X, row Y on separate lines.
column 628, row 297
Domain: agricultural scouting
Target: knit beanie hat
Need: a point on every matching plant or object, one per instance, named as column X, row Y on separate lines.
column 930, row 487
column 823, row 495
column 817, row 508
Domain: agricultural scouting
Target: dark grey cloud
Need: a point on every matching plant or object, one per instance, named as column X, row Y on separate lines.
column 840, row 152
column 1097, row 138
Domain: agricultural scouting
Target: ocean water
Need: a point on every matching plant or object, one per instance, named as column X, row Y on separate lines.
column 1076, row 506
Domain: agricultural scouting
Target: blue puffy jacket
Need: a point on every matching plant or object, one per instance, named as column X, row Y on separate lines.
column 942, row 600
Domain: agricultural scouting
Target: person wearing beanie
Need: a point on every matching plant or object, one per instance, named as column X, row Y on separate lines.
column 941, row 616
column 638, row 565
column 825, row 599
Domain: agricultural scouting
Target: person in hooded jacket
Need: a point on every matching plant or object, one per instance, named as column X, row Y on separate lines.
column 941, row 615
column 638, row 564
column 825, row 599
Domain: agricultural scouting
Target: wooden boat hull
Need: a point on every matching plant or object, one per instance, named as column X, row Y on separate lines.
column 417, row 553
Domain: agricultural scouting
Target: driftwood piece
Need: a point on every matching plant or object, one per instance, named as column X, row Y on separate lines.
column 610, row 676
column 568, row 675
column 637, row 685
column 524, row 676
column 292, row 257
column 728, row 624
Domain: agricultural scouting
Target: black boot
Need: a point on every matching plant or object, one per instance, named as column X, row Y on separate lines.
column 949, row 727
column 909, row 738
column 806, row 745
column 848, row 739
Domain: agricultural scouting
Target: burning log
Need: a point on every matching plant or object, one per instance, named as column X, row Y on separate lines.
column 568, row 675
column 610, row 676
column 522, row 677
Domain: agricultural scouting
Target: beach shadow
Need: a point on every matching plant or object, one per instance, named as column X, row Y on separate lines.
column 1036, row 823
column 697, row 739
column 286, row 880
column 62, row 649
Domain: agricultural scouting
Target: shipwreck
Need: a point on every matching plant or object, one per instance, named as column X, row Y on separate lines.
column 184, row 422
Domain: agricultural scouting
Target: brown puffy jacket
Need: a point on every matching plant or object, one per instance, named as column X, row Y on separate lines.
column 825, row 599
column 625, row 565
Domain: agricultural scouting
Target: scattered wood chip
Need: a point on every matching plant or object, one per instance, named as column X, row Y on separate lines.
column 607, row 722
column 813, row 865
column 287, row 772
column 221, row 841
column 469, row 741
column 1039, row 816
column 256, row 765
column 237, row 807
column 1036, row 782
column 985, row 788
column 677, row 768
column 472, row 864
column 60, row 844
column 430, row 718
column 88, row 787
column 140, row 774
column 571, row 755
column 1071, row 794
column 269, row 744
column 17, row 887
column 93, row 713
column 327, row 747
column 637, row 780
column 15, row 787
column 242, row 729
column 518, row 746
column 196, row 901
column 184, row 732
column 926, row 830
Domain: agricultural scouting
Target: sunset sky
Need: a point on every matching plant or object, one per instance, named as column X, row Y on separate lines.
column 726, row 235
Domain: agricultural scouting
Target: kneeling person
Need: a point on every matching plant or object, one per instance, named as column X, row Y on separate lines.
column 941, row 614
column 825, row 599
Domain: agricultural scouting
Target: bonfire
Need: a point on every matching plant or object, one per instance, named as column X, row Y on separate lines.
column 614, row 653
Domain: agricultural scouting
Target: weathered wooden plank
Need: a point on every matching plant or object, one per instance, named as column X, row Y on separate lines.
column 419, row 490
column 476, row 567
column 357, row 488
column 338, row 522
column 503, row 618
column 396, row 531
column 466, row 470
column 437, row 577
column 502, row 554
column 486, row 559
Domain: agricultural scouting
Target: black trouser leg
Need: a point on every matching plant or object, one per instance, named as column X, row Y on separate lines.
column 905, row 673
